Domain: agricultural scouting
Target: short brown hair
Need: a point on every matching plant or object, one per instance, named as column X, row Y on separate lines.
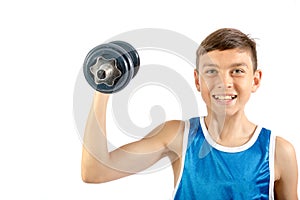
column 227, row 38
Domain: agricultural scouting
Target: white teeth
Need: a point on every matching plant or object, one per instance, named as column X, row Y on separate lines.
column 227, row 97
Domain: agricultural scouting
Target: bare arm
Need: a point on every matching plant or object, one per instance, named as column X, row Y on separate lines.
column 286, row 171
column 98, row 165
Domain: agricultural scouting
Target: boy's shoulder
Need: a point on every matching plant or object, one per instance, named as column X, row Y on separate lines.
column 284, row 149
column 285, row 156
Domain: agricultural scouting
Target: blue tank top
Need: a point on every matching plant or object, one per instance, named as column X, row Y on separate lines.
column 214, row 172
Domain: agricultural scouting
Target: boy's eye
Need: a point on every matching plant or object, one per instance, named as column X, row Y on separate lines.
column 211, row 71
column 238, row 71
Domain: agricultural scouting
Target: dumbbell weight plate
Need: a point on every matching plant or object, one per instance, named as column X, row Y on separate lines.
column 109, row 51
column 126, row 50
column 132, row 52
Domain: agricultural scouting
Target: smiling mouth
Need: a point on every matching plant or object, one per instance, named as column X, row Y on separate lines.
column 224, row 97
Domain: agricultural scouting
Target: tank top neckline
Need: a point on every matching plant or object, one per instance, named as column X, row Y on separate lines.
column 227, row 149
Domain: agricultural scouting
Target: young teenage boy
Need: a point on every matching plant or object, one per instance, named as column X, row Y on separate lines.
column 219, row 156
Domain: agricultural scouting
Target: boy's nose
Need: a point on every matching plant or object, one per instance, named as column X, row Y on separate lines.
column 225, row 81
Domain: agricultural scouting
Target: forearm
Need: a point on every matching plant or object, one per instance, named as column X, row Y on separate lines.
column 95, row 153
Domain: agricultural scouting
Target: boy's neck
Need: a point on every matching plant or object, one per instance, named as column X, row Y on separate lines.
column 234, row 130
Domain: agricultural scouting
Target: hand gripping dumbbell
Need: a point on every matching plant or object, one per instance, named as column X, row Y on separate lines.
column 109, row 67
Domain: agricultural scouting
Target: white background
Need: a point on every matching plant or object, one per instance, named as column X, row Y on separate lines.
column 42, row 48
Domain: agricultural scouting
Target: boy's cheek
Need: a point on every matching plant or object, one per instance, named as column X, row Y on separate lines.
column 207, row 84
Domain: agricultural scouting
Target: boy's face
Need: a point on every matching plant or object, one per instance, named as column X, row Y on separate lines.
column 226, row 80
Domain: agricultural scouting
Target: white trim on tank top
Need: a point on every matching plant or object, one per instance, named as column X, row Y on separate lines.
column 229, row 149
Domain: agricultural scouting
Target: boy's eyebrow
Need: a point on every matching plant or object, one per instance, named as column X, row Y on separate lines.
column 210, row 65
column 232, row 65
column 239, row 64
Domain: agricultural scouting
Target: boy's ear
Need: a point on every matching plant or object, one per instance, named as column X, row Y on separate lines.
column 256, row 80
column 197, row 81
